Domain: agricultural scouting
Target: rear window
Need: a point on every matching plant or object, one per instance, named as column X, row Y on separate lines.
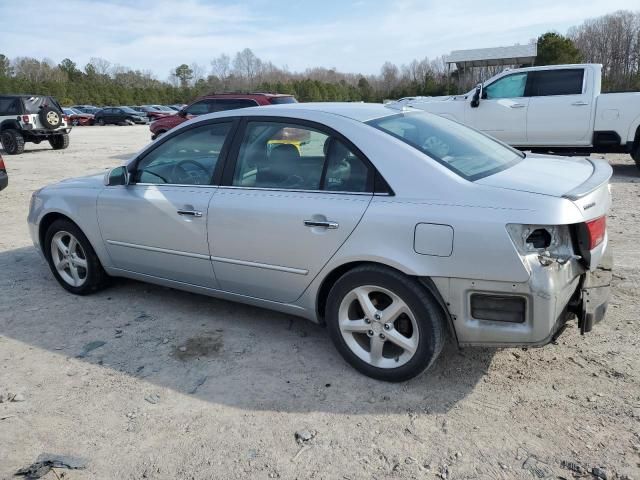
column 465, row 151
column 9, row 106
column 280, row 100
column 557, row 82
column 33, row 104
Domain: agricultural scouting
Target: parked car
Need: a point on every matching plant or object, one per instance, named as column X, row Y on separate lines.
column 555, row 108
column 4, row 177
column 86, row 109
column 119, row 115
column 151, row 112
column 389, row 227
column 177, row 107
column 216, row 103
column 31, row 118
column 78, row 118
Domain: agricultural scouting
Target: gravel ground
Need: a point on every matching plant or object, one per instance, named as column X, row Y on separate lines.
column 107, row 377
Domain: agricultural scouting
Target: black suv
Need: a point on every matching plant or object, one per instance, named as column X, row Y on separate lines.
column 119, row 116
column 31, row 118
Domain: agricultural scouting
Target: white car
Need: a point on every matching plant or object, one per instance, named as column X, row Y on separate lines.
column 556, row 108
column 390, row 227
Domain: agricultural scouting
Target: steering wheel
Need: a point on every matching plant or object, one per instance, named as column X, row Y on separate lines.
column 186, row 175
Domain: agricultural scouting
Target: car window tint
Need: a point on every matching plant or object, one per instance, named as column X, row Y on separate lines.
column 221, row 104
column 189, row 158
column 198, row 108
column 289, row 156
column 557, row 82
column 511, row 86
column 9, row 106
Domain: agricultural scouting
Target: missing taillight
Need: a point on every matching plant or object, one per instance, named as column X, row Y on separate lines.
column 596, row 229
column 539, row 238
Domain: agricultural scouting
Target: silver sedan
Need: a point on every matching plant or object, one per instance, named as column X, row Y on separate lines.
column 394, row 228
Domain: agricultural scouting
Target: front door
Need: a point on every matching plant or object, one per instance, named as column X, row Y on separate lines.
column 502, row 112
column 294, row 196
column 157, row 225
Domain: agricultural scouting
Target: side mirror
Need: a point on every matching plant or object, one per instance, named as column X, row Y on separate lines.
column 477, row 95
column 116, row 176
column 182, row 113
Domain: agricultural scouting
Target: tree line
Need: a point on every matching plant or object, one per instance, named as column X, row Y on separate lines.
column 613, row 40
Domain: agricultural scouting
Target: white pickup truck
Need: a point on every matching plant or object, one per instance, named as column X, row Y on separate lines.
column 556, row 108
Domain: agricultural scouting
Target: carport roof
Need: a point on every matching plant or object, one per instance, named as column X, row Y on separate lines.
column 486, row 57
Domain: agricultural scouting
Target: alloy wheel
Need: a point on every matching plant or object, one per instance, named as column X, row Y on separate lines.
column 378, row 326
column 69, row 258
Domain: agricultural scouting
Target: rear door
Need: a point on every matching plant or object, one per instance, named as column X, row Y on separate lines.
column 560, row 108
column 292, row 196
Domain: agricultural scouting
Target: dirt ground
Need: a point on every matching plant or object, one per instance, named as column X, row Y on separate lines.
column 148, row 382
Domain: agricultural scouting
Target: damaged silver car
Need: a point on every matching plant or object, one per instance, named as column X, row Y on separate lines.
column 394, row 228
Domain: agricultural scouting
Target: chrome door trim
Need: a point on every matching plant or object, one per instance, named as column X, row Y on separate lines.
column 159, row 250
column 266, row 266
column 326, row 192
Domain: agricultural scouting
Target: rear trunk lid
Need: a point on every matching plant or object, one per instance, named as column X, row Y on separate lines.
column 543, row 174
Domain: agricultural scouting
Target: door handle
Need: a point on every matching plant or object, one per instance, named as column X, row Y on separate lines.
column 320, row 223
column 579, row 104
column 192, row 213
column 517, row 105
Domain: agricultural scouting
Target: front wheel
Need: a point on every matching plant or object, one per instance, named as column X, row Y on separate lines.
column 59, row 142
column 100, row 122
column 72, row 259
column 385, row 324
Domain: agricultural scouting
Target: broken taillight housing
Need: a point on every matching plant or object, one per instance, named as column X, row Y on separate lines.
column 596, row 230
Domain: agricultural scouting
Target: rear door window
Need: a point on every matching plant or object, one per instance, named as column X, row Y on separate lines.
column 567, row 81
column 9, row 106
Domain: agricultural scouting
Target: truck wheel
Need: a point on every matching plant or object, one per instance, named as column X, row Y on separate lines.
column 635, row 154
column 50, row 117
column 59, row 142
column 12, row 142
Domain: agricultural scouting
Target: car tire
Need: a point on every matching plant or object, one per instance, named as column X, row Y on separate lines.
column 59, row 142
column 100, row 122
column 90, row 276
column 420, row 328
column 129, row 122
column 51, row 118
column 635, row 154
column 75, row 123
column 12, row 142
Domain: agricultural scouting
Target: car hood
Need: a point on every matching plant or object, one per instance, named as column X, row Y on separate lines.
column 543, row 174
column 95, row 180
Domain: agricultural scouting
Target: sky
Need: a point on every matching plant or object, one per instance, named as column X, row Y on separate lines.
column 351, row 36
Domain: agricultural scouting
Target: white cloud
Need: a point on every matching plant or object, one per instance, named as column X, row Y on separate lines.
column 157, row 35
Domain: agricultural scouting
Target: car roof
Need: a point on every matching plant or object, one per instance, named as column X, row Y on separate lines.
column 361, row 112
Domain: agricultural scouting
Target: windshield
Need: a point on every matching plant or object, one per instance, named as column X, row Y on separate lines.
column 467, row 152
column 279, row 100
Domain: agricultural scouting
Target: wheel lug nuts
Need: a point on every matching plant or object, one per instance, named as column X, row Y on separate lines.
column 382, row 336
column 387, row 326
column 370, row 333
column 377, row 316
column 366, row 320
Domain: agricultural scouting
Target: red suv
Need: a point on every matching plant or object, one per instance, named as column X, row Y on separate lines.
column 216, row 103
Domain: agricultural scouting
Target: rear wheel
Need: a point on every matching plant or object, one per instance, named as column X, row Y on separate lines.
column 635, row 154
column 385, row 324
column 59, row 142
column 12, row 141
column 72, row 259
column 100, row 121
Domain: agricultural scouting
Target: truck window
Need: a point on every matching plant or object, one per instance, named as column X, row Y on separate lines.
column 511, row 86
column 557, row 82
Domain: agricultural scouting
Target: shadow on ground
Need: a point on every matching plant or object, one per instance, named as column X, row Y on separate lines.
column 218, row 351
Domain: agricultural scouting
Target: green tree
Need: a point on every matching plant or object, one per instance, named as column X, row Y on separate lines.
column 5, row 66
column 184, row 74
column 556, row 49
column 69, row 67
